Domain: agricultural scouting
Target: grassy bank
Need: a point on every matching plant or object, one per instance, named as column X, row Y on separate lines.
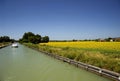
column 104, row 55
column 35, row 46
column 4, row 44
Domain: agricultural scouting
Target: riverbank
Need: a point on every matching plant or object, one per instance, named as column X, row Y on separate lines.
column 97, row 70
column 2, row 45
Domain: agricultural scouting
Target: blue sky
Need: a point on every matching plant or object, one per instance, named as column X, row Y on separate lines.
column 60, row 19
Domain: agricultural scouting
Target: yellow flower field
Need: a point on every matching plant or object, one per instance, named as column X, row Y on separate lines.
column 111, row 46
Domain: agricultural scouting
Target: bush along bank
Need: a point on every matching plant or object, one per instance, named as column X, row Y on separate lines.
column 46, row 50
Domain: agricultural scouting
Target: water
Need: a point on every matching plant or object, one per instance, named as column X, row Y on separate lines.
column 25, row 64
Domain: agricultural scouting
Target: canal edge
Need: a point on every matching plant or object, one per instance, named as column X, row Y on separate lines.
column 4, row 46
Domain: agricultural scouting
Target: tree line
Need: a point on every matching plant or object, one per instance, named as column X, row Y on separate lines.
column 6, row 39
column 30, row 37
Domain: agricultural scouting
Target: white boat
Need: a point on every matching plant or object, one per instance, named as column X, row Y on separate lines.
column 15, row 45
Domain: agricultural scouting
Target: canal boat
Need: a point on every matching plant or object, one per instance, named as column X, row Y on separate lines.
column 14, row 45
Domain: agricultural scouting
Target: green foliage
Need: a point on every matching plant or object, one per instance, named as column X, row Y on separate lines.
column 6, row 39
column 45, row 39
column 30, row 37
column 27, row 35
column 38, row 38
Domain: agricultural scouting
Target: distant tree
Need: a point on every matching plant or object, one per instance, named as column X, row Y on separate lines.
column 25, row 36
column 28, row 37
column 32, row 38
column 13, row 40
column 97, row 40
column 117, row 39
column 38, row 38
column 85, row 40
column 45, row 39
column 5, row 39
column 108, row 39
column 74, row 40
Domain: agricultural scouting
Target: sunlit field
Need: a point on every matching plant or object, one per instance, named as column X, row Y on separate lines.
column 103, row 46
column 102, row 54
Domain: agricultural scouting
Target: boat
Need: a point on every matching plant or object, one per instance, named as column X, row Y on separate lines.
column 15, row 45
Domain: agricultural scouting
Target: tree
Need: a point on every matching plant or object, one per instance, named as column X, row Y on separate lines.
column 45, row 39
column 38, row 38
column 32, row 38
column 5, row 39
column 27, row 36
column 108, row 39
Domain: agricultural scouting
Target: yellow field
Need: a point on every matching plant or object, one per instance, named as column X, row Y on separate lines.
column 112, row 46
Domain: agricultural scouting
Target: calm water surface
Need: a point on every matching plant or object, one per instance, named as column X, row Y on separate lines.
column 25, row 64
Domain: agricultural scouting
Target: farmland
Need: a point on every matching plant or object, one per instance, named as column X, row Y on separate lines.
column 105, row 55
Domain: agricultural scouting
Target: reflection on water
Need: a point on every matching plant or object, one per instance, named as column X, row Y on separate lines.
column 24, row 64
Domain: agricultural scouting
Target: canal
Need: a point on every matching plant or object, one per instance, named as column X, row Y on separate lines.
column 25, row 64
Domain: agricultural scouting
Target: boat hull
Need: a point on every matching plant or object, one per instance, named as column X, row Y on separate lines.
column 14, row 46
